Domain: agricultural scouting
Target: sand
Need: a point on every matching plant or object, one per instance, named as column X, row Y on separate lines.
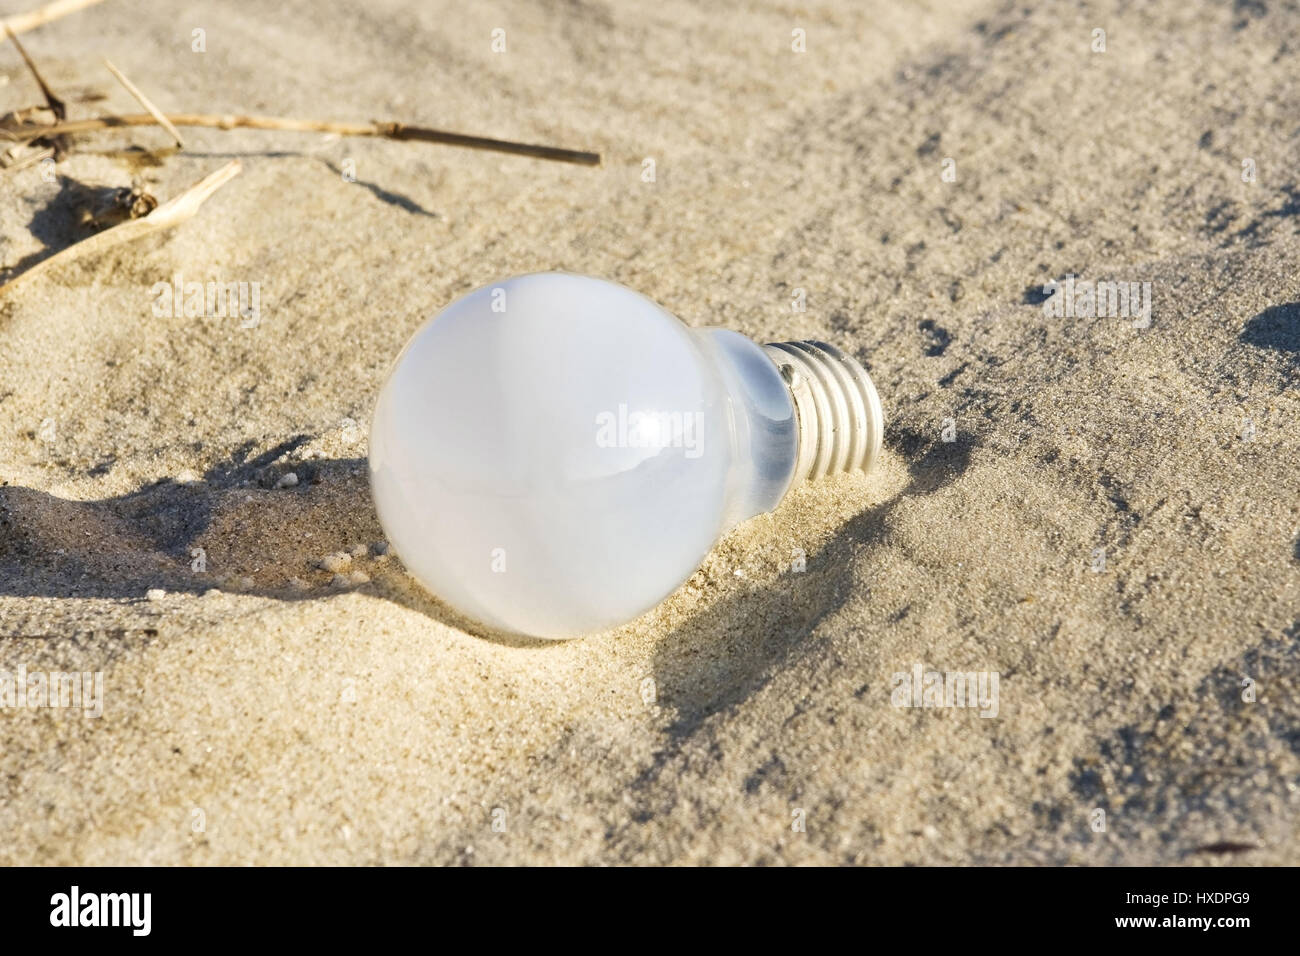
column 1114, row 529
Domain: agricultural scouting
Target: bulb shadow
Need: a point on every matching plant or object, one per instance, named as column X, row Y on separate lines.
column 746, row 639
column 728, row 653
column 239, row 529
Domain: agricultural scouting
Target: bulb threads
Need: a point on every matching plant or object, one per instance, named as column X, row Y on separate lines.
column 841, row 423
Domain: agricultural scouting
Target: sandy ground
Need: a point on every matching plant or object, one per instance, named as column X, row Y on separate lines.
column 1114, row 530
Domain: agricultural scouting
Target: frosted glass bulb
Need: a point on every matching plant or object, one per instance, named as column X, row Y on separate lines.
column 554, row 455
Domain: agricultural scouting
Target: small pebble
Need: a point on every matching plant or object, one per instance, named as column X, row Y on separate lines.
column 155, row 594
column 349, row 430
column 340, row 581
column 359, row 577
column 359, row 550
column 379, row 548
column 287, row 480
column 336, row 562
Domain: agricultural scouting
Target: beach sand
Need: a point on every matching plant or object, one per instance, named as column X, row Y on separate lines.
column 1114, row 530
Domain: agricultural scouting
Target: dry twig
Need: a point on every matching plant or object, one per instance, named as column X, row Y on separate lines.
column 18, row 158
column 146, row 103
column 22, row 22
column 55, row 104
column 52, row 102
column 396, row 131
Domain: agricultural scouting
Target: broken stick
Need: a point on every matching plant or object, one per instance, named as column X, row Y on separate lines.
column 169, row 214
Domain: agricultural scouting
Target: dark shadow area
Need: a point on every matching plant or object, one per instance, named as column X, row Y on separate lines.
column 136, row 158
column 748, row 638
column 1277, row 328
column 257, row 538
column 386, row 196
column 245, row 154
column 1289, row 209
column 1034, row 295
column 77, row 211
column 1132, row 772
column 937, row 337
column 264, row 539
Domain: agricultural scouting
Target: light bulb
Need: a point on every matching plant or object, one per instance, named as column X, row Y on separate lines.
column 553, row 455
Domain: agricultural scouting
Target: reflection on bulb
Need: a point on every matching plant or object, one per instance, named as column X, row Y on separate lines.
column 554, row 455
